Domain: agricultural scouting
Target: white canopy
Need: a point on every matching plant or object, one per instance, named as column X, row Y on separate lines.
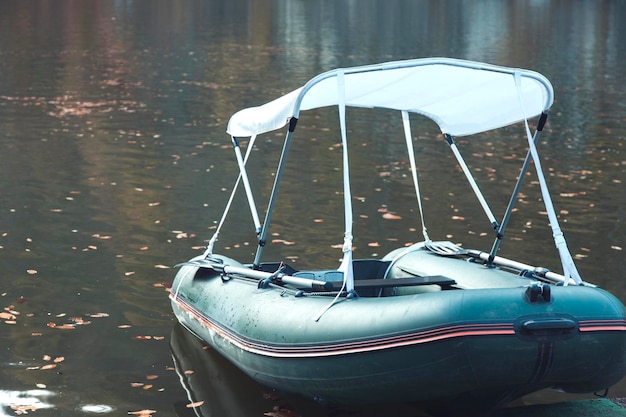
column 462, row 97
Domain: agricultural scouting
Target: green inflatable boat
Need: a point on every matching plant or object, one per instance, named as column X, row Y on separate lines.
column 425, row 323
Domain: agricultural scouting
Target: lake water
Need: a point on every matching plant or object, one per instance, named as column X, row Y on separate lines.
column 115, row 166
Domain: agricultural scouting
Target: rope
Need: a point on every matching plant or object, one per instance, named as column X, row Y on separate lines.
column 179, row 285
column 346, row 263
column 472, row 182
column 246, row 186
column 209, row 249
column 409, row 144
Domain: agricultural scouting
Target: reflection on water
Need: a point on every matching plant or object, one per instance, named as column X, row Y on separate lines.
column 25, row 402
column 21, row 402
column 115, row 163
column 216, row 387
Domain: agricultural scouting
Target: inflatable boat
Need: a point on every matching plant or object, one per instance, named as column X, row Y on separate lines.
column 429, row 322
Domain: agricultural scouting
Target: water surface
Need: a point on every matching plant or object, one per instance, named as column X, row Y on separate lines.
column 115, row 166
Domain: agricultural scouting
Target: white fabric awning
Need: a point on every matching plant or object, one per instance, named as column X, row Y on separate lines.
column 462, row 97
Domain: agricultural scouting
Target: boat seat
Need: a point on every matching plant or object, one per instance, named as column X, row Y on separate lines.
column 400, row 282
column 363, row 269
column 328, row 275
column 370, row 278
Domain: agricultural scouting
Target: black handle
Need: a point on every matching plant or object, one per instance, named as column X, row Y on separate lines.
column 547, row 328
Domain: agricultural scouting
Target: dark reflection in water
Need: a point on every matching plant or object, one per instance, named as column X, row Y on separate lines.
column 215, row 385
column 115, row 165
column 206, row 374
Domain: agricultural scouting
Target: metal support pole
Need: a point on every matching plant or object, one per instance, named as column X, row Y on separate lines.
column 270, row 207
column 516, row 190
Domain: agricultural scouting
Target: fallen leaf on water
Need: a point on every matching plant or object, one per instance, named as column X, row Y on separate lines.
column 194, row 405
column 284, row 242
column 23, row 409
column 147, row 386
column 136, row 384
column 62, row 326
column 161, row 266
column 48, row 366
column 151, row 377
column 99, row 236
column 616, row 247
column 31, row 271
column 390, row 216
column 59, row 359
column 124, row 326
column 6, row 316
column 142, row 413
column 47, row 358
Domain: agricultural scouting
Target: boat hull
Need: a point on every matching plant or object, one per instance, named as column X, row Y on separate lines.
column 489, row 345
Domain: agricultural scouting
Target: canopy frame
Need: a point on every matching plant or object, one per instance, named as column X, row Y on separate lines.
column 286, row 110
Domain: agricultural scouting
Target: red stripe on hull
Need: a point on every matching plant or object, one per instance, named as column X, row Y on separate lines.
column 602, row 325
column 344, row 348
